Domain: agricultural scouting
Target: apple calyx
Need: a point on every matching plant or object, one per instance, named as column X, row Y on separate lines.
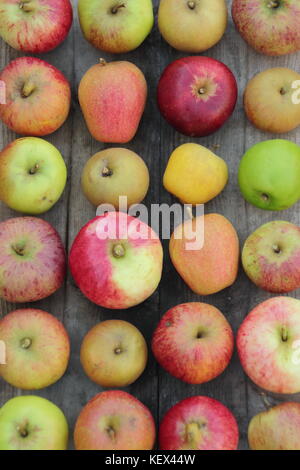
column 111, row 433
column 106, row 172
column 28, row 89
column 193, row 433
column 191, row 5
column 118, row 250
column 284, row 334
column 22, row 430
column 116, row 8
column 273, row 4
column 19, row 248
column 276, row 249
column 25, row 343
column 26, row 6
column 118, row 351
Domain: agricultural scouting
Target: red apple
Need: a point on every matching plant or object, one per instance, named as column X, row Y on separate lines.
column 198, row 423
column 38, row 97
column 196, row 95
column 32, row 259
column 194, row 342
column 116, row 260
column 37, row 349
column 269, row 26
column 114, row 420
column 268, row 345
column 35, row 26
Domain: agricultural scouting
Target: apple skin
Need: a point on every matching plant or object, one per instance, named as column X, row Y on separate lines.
column 113, row 353
column 114, row 420
column 266, row 345
column 271, row 31
column 112, row 173
column 111, row 279
column 43, row 422
column 37, row 349
column 41, row 183
column 116, row 26
column 32, row 260
column 198, row 423
column 197, row 95
column 271, row 257
column 213, row 267
column 276, row 429
column 35, row 26
column 193, row 342
column 269, row 174
column 268, row 100
column 41, row 104
column 112, row 97
column 181, row 23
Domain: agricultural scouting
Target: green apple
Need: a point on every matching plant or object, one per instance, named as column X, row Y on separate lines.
column 32, row 423
column 269, row 174
column 33, row 175
column 116, row 26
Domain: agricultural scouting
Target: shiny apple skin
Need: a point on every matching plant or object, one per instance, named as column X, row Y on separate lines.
column 179, row 101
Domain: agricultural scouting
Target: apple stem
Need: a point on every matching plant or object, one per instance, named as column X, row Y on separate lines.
column 102, row 61
column 284, row 334
column 273, row 4
column 27, row 89
column 25, row 6
column 34, row 169
column 111, row 433
column 22, row 431
column 118, row 251
column 26, row 343
column 116, row 8
column 191, row 5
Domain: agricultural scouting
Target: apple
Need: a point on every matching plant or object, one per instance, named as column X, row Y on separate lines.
column 112, row 97
column 205, row 252
column 271, row 257
column 269, row 174
column 112, row 173
column 278, row 428
column 114, row 420
column 116, row 260
column 35, row 26
column 195, row 174
column 32, row 259
column 192, row 25
column 270, row 26
column 32, row 423
column 38, row 97
column 37, row 349
column 197, row 95
column 268, row 345
column 193, row 342
column 113, row 353
column 116, row 26
column 198, row 423
column 33, row 175
column 269, row 103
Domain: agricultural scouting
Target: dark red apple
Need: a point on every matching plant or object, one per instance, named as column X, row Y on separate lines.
column 197, row 95
column 199, row 423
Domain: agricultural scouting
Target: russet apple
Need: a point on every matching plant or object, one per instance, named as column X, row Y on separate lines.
column 35, row 26
column 194, row 174
column 113, row 353
column 270, row 26
column 278, row 428
column 268, row 345
column 194, row 342
column 38, row 97
column 269, row 174
column 32, row 423
column 197, row 95
column 112, row 173
column 33, row 175
column 112, row 97
column 116, row 260
column 213, row 266
column 271, row 257
column 114, row 420
column 198, row 423
column 116, row 26
column 192, row 25
column 37, row 349
column 268, row 100
column 32, row 259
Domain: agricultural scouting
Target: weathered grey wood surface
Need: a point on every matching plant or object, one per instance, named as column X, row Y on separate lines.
column 154, row 142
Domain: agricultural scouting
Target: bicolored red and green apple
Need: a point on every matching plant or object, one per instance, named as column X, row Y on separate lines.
column 116, row 260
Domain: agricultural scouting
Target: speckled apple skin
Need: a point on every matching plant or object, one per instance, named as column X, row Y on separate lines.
column 213, row 426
